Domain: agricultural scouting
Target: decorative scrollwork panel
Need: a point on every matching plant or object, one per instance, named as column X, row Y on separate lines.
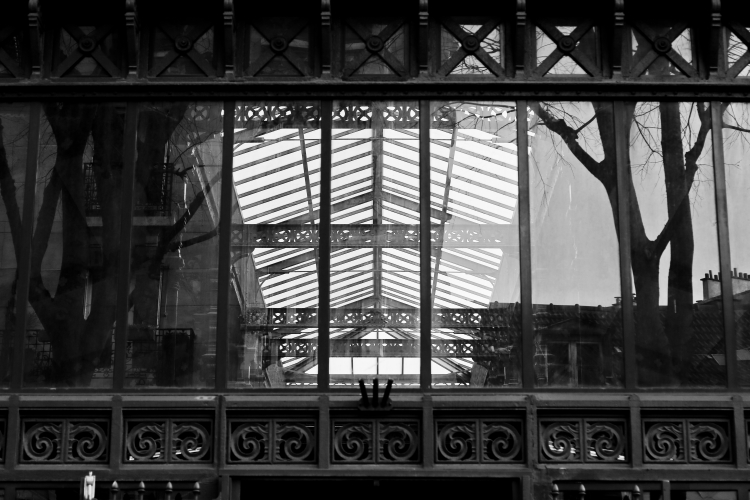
column 376, row 441
column 353, row 442
column 479, row 440
column 65, row 441
column 576, row 440
column 502, row 441
column 272, row 441
column 398, row 441
column 687, row 441
column 164, row 440
column 294, row 442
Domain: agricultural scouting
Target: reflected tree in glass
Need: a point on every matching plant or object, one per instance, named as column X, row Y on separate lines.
column 174, row 280
column 673, row 136
column 736, row 135
column 575, row 258
column 75, row 244
column 14, row 124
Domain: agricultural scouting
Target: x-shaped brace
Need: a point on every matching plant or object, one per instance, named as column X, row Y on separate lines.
column 184, row 45
column 567, row 45
column 88, row 46
column 5, row 59
column 744, row 35
column 279, row 45
column 471, row 44
column 376, row 44
column 661, row 45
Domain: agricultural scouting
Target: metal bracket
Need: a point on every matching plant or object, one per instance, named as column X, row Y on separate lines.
column 375, row 404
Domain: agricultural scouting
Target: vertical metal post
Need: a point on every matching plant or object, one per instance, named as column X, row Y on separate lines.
column 23, row 260
column 126, row 222
column 117, row 428
column 740, row 433
column 722, row 220
column 622, row 134
column 324, row 432
column 524, row 220
column 13, row 432
column 425, row 248
column 428, row 433
column 666, row 490
column 225, row 243
column 636, row 432
column 324, row 246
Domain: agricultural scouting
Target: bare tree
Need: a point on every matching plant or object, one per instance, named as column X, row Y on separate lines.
column 675, row 146
column 82, row 342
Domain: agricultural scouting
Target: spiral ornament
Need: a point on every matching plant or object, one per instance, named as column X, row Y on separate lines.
column 146, row 442
column 397, row 443
column 605, row 441
column 457, row 442
column 294, row 443
column 501, row 442
column 249, row 443
column 87, row 442
column 353, row 442
column 561, row 441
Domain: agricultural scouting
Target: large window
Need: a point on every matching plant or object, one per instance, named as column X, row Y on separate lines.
column 303, row 244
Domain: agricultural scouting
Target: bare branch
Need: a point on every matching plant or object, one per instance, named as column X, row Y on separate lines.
column 570, row 136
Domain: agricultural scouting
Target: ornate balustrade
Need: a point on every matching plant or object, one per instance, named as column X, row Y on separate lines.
column 381, row 348
column 256, row 435
column 370, row 236
column 397, row 318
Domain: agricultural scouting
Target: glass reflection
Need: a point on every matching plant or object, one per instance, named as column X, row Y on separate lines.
column 273, row 319
column 14, row 129
column 475, row 260
column 172, row 318
column 574, row 245
column 674, row 250
column 375, row 242
column 736, row 132
column 75, row 249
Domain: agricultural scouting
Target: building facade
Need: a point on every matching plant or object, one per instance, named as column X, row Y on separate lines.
column 407, row 248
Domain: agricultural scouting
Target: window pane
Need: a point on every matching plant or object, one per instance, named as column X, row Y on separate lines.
column 273, row 319
column 574, row 245
column 375, row 242
column 737, row 167
column 75, row 250
column 475, row 260
column 175, row 246
column 674, row 251
column 14, row 130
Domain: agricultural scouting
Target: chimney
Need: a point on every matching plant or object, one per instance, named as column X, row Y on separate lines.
column 712, row 284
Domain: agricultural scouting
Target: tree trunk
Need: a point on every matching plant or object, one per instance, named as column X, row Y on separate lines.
column 679, row 310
